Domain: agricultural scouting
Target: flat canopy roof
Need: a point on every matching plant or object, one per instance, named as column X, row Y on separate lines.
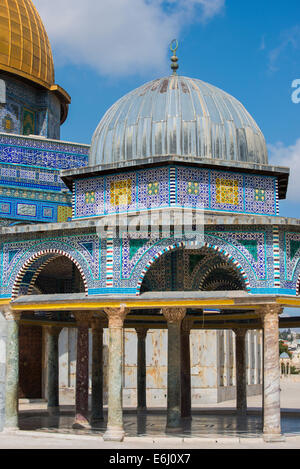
column 207, row 310
column 210, row 219
column 231, row 300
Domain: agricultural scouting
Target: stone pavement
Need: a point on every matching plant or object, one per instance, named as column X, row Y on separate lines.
column 37, row 440
column 213, row 426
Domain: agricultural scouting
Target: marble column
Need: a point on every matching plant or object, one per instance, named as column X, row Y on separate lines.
column 174, row 317
column 186, row 398
column 97, row 370
column 115, row 428
column 3, row 329
column 141, row 369
column 53, row 369
column 271, row 392
column 241, row 372
column 82, row 372
column 12, row 371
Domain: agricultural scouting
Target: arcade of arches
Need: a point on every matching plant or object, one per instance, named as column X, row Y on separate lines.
column 176, row 280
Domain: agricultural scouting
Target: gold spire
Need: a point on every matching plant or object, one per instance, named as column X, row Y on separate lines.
column 174, row 58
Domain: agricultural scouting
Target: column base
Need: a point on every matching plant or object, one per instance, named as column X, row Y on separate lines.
column 141, row 410
column 96, row 418
column 114, row 434
column 186, row 418
column 81, row 423
column 10, row 429
column 177, row 429
column 273, row 437
column 53, row 410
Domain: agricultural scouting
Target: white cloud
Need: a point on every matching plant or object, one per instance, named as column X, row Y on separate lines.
column 289, row 39
column 288, row 156
column 120, row 37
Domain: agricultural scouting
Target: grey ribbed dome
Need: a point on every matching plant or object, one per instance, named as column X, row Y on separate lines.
column 177, row 116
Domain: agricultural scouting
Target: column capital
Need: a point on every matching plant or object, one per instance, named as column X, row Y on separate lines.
column 240, row 332
column 174, row 315
column 270, row 310
column 116, row 316
column 97, row 323
column 187, row 324
column 11, row 315
column 53, row 330
column 141, row 332
column 83, row 318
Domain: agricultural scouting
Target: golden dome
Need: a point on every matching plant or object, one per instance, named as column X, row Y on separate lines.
column 25, row 49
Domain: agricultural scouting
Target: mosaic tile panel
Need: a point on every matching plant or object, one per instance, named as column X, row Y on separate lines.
column 33, row 177
column 153, row 188
column 89, row 197
column 42, row 153
column 32, row 210
column 251, row 246
column 175, row 186
column 291, row 254
column 37, row 195
column 131, row 256
column 121, row 192
column 251, row 250
column 85, row 249
column 260, row 194
column 226, row 191
column 193, row 187
column 64, row 213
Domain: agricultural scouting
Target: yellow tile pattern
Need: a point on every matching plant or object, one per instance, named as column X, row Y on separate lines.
column 120, row 193
column 63, row 213
column 24, row 45
column 227, row 191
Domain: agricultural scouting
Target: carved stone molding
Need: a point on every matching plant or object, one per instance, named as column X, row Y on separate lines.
column 141, row 332
column 174, row 315
column 11, row 315
column 240, row 332
column 270, row 311
column 116, row 316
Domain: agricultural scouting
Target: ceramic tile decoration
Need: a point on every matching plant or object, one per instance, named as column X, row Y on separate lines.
column 179, row 186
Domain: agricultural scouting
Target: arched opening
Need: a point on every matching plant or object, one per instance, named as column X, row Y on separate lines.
column 202, row 269
column 49, row 274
